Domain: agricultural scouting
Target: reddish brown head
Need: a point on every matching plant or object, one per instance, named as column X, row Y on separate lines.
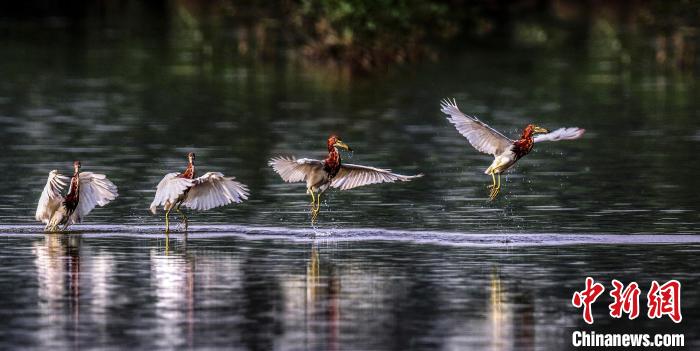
column 76, row 166
column 189, row 172
column 334, row 141
column 523, row 146
column 531, row 130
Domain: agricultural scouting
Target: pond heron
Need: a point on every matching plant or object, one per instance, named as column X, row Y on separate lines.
column 331, row 172
column 86, row 190
column 211, row 190
column 505, row 151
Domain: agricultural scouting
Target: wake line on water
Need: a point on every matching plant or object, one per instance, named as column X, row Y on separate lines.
column 362, row 234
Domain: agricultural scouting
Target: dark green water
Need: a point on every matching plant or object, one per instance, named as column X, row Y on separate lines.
column 131, row 105
column 94, row 290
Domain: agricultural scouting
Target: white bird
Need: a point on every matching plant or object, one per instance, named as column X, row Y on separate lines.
column 86, row 191
column 505, row 151
column 320, row 175
column 211, row 190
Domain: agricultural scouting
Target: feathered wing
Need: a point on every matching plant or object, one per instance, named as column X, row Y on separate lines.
column 51, row 197
column 292, row 170
column 480, row 135
column 351, row 176
column 95, row 190
column 560, row 134
column 214, row 190
column 169, row 190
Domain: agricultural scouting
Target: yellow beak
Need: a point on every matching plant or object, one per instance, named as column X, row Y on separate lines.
column 342, row 145
column 540, row 130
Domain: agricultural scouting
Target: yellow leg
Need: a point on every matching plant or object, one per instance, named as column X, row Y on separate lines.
column 50, row 229
column 313, row 200
column 167, row 221
column 496, row 187
column 318, row 202
column 315, row 208
column 167, row 243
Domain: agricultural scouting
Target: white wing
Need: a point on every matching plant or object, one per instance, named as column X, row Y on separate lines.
column 560, row 134
column 95, row 190
column 292, row 170
column 214, row 190
column 169, row 190
column 51, row 197
column 351, row 176
column 480, row 135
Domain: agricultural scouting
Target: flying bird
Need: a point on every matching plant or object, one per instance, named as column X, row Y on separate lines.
column 86, row 190
column 211, row 190
column 505, row 151
column 331, row 172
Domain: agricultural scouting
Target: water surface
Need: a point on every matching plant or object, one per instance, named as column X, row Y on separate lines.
column 223, row 289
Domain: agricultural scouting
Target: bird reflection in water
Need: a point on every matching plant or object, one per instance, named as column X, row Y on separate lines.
column 322, row 300
column 180, row 247
column 512, row 319
column 58, row 271
column 173, row 277
column 524, row 320
column 497, row 311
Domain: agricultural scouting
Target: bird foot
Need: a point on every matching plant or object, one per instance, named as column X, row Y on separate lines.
column 494, row 193
column 314, row 216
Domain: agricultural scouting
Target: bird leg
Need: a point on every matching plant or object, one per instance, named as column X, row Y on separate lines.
column 167, row 221
column 313, row 198
column 493, row 185
column 317, row 209
column 184, row 217
column 493, row 176
column 51, row 226
column 496, row 187
column 315, row 206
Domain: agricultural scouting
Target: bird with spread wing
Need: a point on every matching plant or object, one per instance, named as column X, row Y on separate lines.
column 505, row 151
column 211, row 190
column 85, row 191
column 320, row 175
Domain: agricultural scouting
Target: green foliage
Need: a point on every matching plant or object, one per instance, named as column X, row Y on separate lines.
column 369, row 33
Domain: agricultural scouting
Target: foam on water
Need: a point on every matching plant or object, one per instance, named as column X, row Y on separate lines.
column 366, row 234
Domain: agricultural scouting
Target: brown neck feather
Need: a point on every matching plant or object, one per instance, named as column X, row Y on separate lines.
column 73, row 196
column 523, row 146
column 332, row 163
column 189, row 172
